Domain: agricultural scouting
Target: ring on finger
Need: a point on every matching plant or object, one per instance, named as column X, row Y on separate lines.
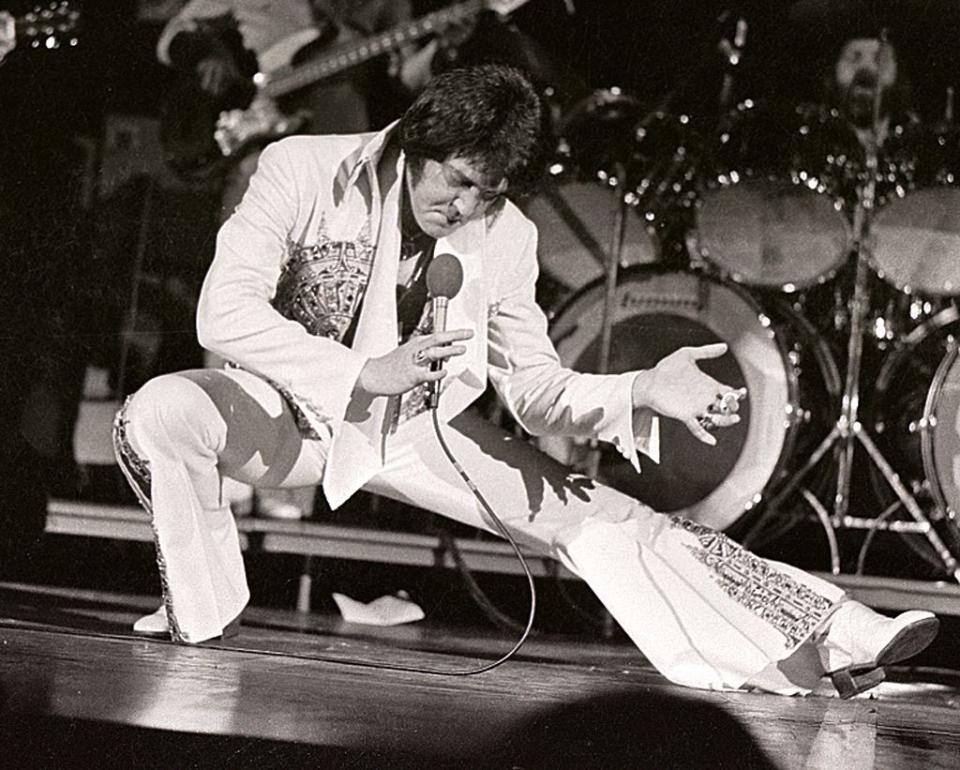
column 706, row 422
column 729, row 401
column 723, row 404
column 420, row 357
column 717, row 406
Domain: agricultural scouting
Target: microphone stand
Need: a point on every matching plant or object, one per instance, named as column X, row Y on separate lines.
column 848, row 430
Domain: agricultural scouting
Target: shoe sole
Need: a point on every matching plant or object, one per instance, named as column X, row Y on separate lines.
column 908, row 641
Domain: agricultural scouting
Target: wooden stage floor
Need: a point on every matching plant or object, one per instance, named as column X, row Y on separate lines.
column 77, row 691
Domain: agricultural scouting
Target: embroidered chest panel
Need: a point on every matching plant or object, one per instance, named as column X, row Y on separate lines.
column 788, row 605
column 322, row 284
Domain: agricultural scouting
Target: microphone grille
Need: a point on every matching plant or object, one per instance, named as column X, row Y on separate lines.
column 444, row 276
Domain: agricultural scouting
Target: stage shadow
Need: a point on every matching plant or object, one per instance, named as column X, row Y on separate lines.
column 630, row 729
column 642, row 730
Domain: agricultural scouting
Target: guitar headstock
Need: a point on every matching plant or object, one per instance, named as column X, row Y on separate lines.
column 48, row 25
column 503, row 7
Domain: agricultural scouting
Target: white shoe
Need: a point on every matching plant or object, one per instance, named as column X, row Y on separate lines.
column 857, row 643
column 278, row 509
column 157, row 625
column 154, row 624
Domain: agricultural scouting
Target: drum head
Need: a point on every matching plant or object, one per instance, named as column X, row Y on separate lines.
column 942, row 450
column 655, row 314
column 771, row 233
column 576, row 221
column 915, row 242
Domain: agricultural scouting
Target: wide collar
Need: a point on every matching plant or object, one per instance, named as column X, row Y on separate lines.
column 363, row 159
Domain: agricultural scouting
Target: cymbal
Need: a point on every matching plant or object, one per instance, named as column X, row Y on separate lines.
column 609, row 108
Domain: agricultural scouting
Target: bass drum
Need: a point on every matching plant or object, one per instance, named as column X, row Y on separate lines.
column 790, row 376
column 917, row 422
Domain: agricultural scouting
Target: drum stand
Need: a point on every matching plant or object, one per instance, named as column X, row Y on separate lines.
column 848, row 431
column 612, row 271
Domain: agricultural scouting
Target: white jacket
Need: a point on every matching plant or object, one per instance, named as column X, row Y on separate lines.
column 311, row 190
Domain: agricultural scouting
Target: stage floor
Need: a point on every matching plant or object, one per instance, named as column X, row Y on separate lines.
column 77, row 690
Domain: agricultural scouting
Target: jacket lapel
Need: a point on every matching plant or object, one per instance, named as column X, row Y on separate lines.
column 357, row 453
column 357, row 450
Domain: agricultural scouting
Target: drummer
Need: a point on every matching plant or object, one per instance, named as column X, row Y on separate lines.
column 865, row 105
column 868, row 88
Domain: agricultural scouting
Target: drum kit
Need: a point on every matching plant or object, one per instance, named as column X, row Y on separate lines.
column 830, row 267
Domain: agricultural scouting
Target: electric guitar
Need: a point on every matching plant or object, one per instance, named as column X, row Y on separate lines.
column 47, row 26
column 201, row 139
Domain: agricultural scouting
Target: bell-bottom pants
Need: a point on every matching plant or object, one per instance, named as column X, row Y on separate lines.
column 703, row 610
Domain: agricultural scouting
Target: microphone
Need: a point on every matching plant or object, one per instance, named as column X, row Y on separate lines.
column 444, row 279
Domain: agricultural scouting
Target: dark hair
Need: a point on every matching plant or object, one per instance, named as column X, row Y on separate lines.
column 489, row 114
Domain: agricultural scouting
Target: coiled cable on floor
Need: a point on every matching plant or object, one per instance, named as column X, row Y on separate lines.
column 501, row 528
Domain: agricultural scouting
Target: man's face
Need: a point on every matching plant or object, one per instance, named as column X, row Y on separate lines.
column 864, row 68
column 446, row 195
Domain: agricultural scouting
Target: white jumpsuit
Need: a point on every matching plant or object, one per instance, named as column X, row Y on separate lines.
column 314, row 243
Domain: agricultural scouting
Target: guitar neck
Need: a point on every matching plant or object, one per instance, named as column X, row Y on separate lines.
column 343, row 57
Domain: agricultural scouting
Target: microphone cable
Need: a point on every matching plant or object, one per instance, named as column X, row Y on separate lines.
column 501, row 528
column 444, row 278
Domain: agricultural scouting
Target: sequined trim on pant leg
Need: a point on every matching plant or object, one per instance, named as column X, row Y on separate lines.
column 136, row 470
column 792, row 608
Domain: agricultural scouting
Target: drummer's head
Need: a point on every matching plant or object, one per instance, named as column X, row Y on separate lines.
column 865, row 68
column 488, row 116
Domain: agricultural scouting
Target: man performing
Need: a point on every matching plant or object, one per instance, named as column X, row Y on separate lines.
column 317, row 297
column 280, row 34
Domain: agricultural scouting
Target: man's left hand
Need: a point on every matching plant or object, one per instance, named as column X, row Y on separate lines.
column 677, row 387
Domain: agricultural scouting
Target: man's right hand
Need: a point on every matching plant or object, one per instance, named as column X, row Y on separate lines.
column 216, row 74
column 407, row 366
column 8, row 34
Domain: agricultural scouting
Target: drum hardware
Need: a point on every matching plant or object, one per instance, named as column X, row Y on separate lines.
column 915, row 417
column 578, row 206
column 609, row 298
column 774, row 352
column 848, row 431
column 707, row 309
